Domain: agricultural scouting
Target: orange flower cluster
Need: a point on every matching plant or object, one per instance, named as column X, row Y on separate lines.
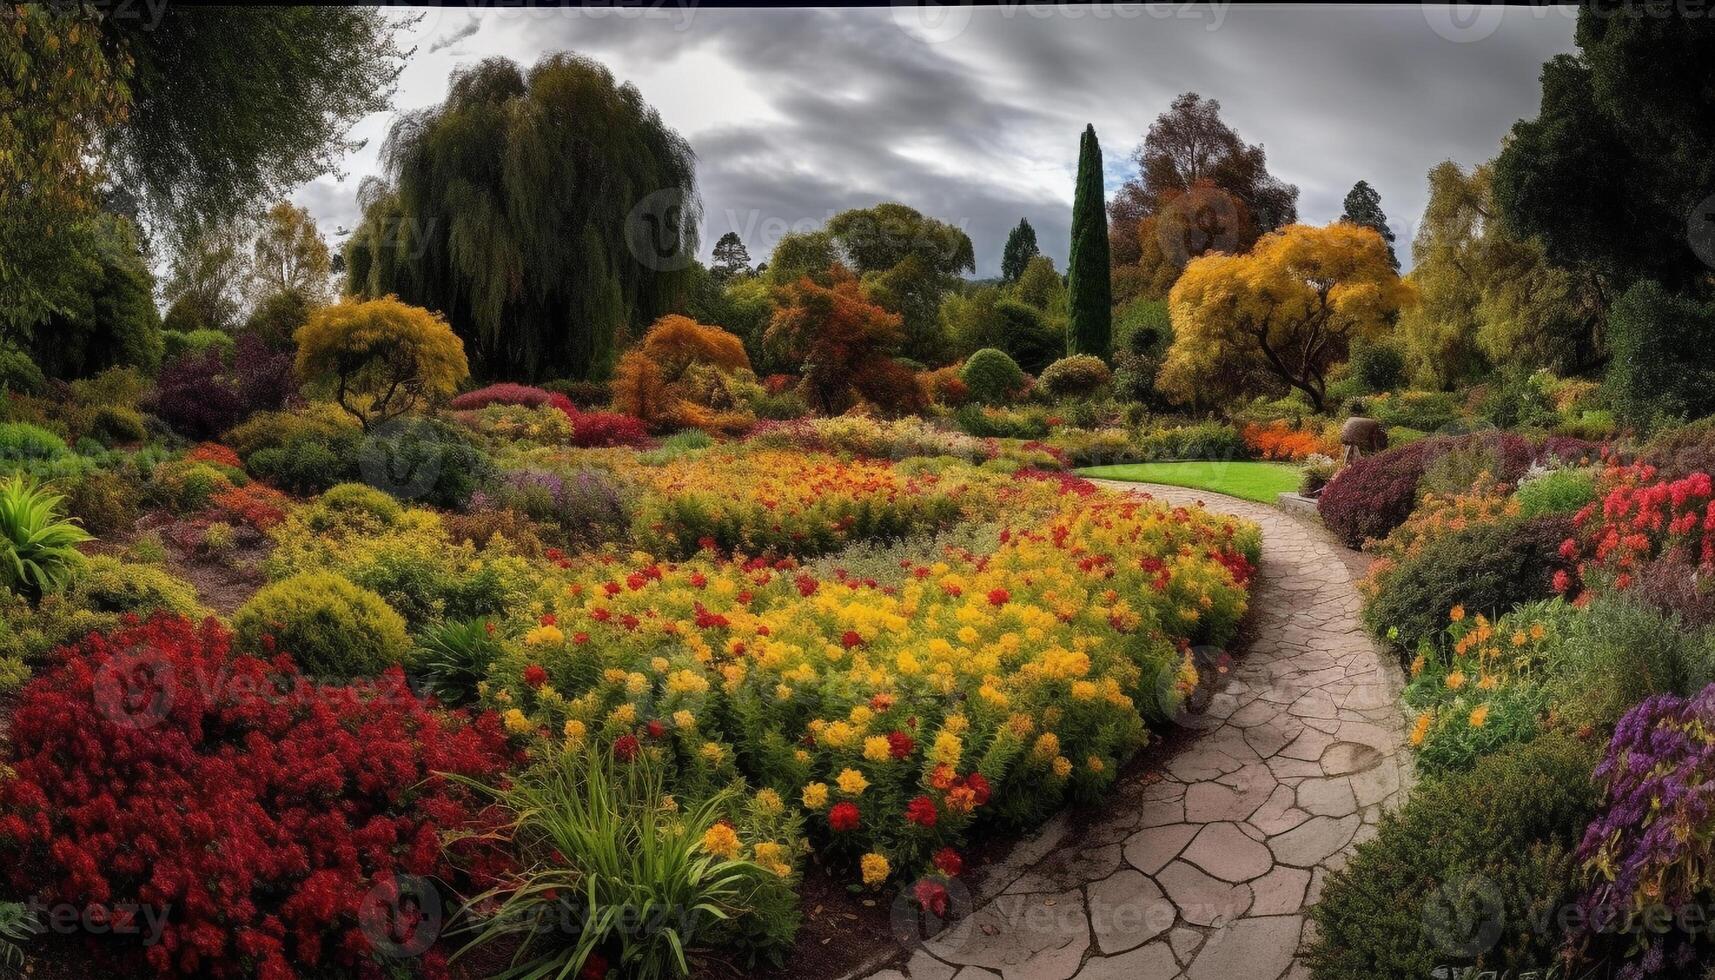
column 1280, row 441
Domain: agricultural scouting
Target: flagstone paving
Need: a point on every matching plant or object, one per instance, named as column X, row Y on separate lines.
column 1203, row 867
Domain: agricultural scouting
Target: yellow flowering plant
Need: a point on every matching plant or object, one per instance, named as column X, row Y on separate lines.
column 897, row 715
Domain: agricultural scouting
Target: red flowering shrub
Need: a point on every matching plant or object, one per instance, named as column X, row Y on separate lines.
column 507, row 393
column 596, row 429
column 256, row 505
column 214, row 452
column 844, row 817
column 1639, row 519
column 156, row 767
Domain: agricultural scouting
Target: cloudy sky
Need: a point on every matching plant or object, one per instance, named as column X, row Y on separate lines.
column 972, row 114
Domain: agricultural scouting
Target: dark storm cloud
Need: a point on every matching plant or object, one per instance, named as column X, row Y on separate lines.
column 976, row 120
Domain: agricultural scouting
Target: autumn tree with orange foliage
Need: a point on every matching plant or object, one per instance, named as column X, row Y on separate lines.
column 844, row 346
column 666, row 379
column 1285, row 312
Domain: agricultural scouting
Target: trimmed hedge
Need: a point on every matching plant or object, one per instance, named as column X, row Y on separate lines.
column 991, row 375
column 330, row 626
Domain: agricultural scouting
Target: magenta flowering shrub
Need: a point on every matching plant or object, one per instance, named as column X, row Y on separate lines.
column 1651, row 850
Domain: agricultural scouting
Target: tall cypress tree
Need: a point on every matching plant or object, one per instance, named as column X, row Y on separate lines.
column 1020, row 249
column 1089, row 288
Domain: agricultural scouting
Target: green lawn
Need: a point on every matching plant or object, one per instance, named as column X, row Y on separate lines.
column 1252, row 481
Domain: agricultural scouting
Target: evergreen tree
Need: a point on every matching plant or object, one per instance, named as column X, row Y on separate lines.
column 1364, row 208
column 731, row 257
column 1088, row 284
column 1020, row 249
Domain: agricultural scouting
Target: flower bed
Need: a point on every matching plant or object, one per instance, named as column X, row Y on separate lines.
column 987, row 688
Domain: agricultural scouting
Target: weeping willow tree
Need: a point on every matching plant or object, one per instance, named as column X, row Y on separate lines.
column 547, row 215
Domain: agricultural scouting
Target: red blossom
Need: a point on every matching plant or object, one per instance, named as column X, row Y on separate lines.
column 844, row 817
column 535, row 675
column 921, row 811
column 932, row 896
column 899, row 744
column 948, row 862
column 625, row 747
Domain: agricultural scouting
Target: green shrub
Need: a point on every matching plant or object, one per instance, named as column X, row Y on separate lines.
column 1406, row 903
column 330, row 626
column 19, row 373
column 1595, row 424
column 1202, row 440
column 1376, row 366
column 991, row 375
column 1661, row 366
column 114, row 425
column 342, row 503
column 1143, row 328
column 188, row 485
column 453, row 658
column 1427, row 411
column 1078, row 376
column 1486, row 568
column 423, row 459
column 1021, row 422
column 38, row 546
column 103, row 501
column 108, row 585
column 307, row 465
column 1618, row 653
column 1556, row 492
column 180, row 342
column 22, row 443
column 321, row 422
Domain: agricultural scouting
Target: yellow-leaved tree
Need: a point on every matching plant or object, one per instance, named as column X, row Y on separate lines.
column 380, row 358
column 1286, row 311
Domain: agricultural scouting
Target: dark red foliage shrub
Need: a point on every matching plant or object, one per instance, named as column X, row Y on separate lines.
column 507, row 393
column 158, row 767
column 1571, row 450
column 265, row 376
column 1681, row 451
column 1375, row 494
column 1672, row 584
column 198, row 397
column 607, row 429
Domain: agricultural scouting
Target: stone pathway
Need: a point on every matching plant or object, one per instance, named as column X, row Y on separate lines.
column 1203, row 867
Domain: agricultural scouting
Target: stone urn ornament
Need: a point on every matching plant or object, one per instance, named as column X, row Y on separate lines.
column 1361, row 437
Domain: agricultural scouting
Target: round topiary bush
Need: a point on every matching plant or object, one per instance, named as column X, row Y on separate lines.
column 1078, row 376
column 991, row 375
column 330, row 626
column 1486, row 568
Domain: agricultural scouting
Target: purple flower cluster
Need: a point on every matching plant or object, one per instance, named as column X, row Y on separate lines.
column 590, row 506
column 1653, row 845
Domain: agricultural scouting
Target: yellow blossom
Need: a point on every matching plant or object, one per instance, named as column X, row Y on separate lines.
column 721, row 841
column 1479, row 716
column 516, row 722
column 877, row 749
column 875, row 869
column 852, row 782
column 769, row 803
column 815, row 795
